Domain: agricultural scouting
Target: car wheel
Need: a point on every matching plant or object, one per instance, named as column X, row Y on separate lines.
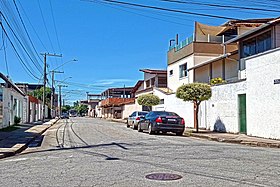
column 134, row 126
column 179, row 133
column 150, row 129
column 127, row 125
column 139, row 128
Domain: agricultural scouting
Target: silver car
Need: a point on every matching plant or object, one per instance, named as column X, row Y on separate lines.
column 134, row 119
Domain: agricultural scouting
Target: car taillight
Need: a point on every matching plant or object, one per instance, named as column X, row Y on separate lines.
column 159, row 120
column 138, row 118
column 182, row 121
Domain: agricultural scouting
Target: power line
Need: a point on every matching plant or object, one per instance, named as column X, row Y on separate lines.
column 164, row 9
column 33, row 27
column 5, row 54
column 29, row 72
column 26, row 30
column 220, row 6
column 45, row 25
column 35, row 64
column 55, row 28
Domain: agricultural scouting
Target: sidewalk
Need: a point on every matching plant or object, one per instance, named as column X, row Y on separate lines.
column 226, row 137
column 16, row 141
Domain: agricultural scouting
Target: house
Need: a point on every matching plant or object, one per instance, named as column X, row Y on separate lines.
column 112, row 101
column 93, row 102
column 13, row 103
column 202, row 57
column 251, row 104
column 27, row 88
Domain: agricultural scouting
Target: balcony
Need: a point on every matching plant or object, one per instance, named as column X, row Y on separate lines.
column 208, row 45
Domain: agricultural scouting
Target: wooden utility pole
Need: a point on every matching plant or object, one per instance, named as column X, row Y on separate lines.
column 45, row 80
column 53, row 92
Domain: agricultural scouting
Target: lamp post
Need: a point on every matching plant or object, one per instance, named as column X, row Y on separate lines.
column 52, row 89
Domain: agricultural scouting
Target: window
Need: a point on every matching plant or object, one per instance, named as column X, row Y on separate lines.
column 170, row 72
column 161, row 101
column 153, row 81
column 257, row 44
column 133, row 114
column 147, row 83
column 183, row 70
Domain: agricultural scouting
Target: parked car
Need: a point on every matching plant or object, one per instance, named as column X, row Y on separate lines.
column 64, row 116
column 162, row 121
column 134, row 119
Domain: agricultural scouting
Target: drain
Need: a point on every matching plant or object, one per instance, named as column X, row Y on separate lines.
column 163, row 176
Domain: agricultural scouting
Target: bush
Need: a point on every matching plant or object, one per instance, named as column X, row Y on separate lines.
column 17, row 120
column 217, row 80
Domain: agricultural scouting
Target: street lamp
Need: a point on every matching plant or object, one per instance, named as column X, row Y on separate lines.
column 73, row 60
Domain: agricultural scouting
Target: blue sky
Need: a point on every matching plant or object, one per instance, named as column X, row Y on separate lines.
column 111, row 43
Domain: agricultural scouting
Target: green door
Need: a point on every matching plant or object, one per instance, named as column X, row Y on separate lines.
column 242, row 113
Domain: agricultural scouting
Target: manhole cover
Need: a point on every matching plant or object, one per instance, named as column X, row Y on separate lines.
column 163, row 176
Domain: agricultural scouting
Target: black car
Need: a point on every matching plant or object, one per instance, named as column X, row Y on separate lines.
column 162, row 121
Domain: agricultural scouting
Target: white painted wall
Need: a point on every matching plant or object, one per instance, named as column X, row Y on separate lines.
column 263, row 96
column 11, row 108
column 222, row 109
column 128, row 109
column 174, row 81
column 173, row 104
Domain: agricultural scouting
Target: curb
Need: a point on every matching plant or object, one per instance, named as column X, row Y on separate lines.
column 23, row 147
column 233, row 141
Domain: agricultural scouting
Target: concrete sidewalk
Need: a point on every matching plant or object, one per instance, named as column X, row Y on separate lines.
column 16, row 141
column 226, row 137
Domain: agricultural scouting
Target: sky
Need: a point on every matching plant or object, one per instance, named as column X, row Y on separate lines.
column 109, row 42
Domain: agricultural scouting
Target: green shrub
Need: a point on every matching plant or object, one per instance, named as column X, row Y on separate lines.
column 217, row 80
column 17, row 120
column 148, row 100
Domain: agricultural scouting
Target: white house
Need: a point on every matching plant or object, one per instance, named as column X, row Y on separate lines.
column 13, row 102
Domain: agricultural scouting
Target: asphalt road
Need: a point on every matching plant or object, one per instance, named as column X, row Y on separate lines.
column 94, row 152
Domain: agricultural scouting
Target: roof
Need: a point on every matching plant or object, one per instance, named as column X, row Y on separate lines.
column 154, row 71
column 253, row 31
column 137, row 85
column 247, row 21
column 213, row 60
column 11, row 84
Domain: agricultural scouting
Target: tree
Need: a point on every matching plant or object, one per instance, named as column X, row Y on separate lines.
column 38, row 93
column 81, row 109
column 196, row 93
column 65, row 108
column 148, row 100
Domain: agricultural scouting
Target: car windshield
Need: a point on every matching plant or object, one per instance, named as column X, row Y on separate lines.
column 163, row 113
column 142, row 113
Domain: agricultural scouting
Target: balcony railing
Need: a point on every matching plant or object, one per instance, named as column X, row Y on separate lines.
column 200, row 38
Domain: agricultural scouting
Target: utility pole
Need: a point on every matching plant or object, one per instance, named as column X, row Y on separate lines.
column 60, row 100
column 45, row 80
column 53, row 92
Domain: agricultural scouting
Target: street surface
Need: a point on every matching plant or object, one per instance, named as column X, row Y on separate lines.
column 95, row 152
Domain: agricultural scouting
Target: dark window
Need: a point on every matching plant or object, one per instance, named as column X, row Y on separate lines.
column 161, row 101
column 163, row 113
column 148, row 83
column 133, row 114
column 153, row 81
column 142, row 113
column 146, row 108
column 257, row 44
column 183, row 71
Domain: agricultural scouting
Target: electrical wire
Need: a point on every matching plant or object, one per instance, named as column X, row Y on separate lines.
column 29, row 72
column 44, row 22
column 114, row 2
column 26, row 30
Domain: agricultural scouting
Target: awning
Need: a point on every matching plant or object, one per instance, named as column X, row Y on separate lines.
column 213, row 60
